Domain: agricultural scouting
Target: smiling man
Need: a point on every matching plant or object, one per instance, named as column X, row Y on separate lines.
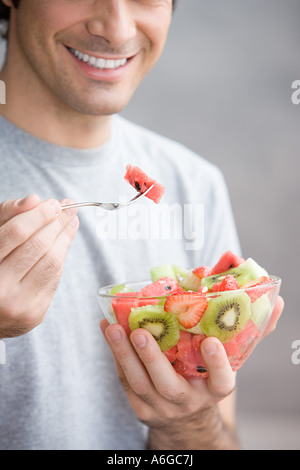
column 82, row 61
column 71, row 66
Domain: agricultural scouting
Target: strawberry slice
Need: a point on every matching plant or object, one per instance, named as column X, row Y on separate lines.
column 188, row 308
column 228, row 283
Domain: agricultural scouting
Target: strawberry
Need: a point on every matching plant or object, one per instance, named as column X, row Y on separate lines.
column 228, row 283
column 188, row 308
column 216, row 287
column 203, row 271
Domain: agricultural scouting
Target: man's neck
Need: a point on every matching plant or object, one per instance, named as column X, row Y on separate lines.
column 45, row 117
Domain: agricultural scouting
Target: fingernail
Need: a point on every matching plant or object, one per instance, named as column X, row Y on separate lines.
column 140, row 341
column 115, row 336
column 20, row 202
column 210, row 348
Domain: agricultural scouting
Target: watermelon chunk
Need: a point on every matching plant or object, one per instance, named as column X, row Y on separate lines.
column 161, row 288
column 240, row 347
column 227, row 261
column 262, row 287
column 189, row 362
column 141, row 182
column 124, row 302
column 122, row 308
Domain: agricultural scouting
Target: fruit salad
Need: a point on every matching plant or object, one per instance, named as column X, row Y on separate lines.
column 232, row 301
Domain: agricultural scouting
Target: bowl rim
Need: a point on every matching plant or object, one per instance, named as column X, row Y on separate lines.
column 276, row 282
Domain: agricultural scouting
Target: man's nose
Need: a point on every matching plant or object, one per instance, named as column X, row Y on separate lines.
column 113, row 20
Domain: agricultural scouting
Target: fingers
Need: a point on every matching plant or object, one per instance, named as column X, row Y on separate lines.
column 45, row 274
column 221, row 380
column 148, row 373
column 24, row 257
column 20, row 228
column 132, row 373
column 11, row 208
column 166, row 381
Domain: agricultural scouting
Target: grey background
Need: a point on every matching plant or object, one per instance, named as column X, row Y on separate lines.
column 223, row 88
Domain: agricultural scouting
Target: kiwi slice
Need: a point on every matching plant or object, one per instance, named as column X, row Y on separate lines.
column 261, row 310
column 226, row 315
column 163, row 326
column 244, row 273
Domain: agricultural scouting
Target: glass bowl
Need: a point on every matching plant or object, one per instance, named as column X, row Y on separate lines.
column 238, row 318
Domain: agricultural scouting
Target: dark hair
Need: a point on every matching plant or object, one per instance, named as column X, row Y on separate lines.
column 5, row 11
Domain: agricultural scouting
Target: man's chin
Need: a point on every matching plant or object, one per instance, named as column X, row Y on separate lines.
column 97, row 109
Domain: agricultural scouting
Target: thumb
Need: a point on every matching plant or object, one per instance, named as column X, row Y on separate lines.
column 221, row 379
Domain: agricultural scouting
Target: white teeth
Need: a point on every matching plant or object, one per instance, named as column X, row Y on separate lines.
column 99, row 63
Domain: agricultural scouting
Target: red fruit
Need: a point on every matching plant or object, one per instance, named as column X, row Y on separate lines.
column 122, row 306
column 196, row 346
column 141, row 182
column 161, row 288
column 263, row 287
column 240, row 347
column 188, row 308
column 228, row 283
column 171, row 354
column 216, row 287
column 227, row 261
column 203, row 271
column 185, row 342
column 189, row 362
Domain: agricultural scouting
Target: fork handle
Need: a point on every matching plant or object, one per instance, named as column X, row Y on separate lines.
column 105, row 205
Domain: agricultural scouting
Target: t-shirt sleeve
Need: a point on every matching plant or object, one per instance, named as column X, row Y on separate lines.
column 220, row 228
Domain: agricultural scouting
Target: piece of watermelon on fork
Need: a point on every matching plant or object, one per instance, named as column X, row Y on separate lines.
column 141, row 182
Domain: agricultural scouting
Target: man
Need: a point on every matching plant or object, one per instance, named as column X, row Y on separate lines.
column 70, row 68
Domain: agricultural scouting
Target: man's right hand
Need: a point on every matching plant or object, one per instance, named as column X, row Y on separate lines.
column 34, row 241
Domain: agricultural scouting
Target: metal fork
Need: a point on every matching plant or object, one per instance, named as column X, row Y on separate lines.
column 109, row 206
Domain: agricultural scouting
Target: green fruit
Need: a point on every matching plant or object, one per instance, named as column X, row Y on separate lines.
column 196, row 330
column 190, row 282
column 261, row 310
column 164, row 270
column 120, row 288
column 163, row 326
column 245, row 272
column 226, row 315
column 179, row 272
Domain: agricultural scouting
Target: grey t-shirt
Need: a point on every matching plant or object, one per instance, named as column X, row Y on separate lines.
column 58, row 386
